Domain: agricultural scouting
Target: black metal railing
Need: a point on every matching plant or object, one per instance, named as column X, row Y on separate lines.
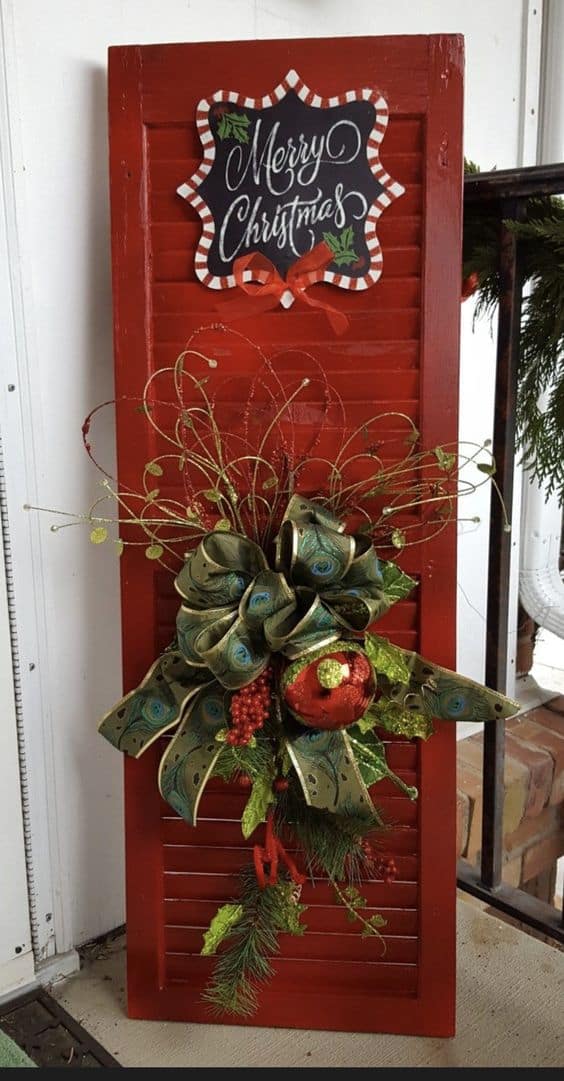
column 506, row 193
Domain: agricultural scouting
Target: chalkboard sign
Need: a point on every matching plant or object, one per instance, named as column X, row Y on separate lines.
column 284, row 173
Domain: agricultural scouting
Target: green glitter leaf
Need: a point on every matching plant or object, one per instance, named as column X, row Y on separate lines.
column 154, row 551
column 402, row 722
column 387, row 660
column 220, row 927
column 446, row 459
column 396, row 585
column 99, row 535
column 257, row 804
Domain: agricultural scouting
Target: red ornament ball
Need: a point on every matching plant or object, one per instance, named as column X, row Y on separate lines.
column 332, row 690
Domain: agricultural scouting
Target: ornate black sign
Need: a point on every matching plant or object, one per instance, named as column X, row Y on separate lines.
column 283, row 173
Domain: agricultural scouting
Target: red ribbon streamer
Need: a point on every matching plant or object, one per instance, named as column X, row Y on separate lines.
column 272, row 852
column 266, row 291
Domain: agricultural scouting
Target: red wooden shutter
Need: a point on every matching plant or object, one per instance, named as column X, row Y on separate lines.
column 401, row 350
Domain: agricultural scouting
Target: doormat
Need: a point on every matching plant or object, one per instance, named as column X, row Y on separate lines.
column 12, row 1056
column 48, row 1034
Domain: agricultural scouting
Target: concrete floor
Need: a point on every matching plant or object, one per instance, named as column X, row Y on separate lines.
column 510, row 997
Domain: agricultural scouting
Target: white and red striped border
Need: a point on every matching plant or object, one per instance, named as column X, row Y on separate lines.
column 391, row 188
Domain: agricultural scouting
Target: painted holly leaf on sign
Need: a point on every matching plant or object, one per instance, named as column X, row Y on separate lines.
column 234, row 126
column 342, row 247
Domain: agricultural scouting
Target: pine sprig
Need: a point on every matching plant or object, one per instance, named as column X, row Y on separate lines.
column 330, row 843
column 253, row 759
column 246, row 965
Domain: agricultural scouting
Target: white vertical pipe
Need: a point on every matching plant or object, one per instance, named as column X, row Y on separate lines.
column 540, row 582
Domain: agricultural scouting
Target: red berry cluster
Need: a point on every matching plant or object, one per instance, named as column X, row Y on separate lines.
column 384, row 866
column 388, row 869
column 249, row 709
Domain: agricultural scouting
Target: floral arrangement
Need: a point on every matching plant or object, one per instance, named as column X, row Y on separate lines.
column 283, row 542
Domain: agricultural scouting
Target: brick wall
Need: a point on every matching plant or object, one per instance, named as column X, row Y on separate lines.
column 533, row 811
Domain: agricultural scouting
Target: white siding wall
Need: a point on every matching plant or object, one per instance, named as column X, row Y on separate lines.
column 56, row 73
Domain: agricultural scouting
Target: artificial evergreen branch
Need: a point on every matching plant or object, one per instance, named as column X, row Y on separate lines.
column 245, row 965
column 253, row 759
column 332, row 844
column 540, row 400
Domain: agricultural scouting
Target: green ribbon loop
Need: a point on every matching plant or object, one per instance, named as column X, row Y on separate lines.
column 235, row 611
column 327, row 770
column 152, row 708
column 189, row 761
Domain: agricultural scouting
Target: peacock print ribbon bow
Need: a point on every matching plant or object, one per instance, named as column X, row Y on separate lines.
column 326, row 587
column 236, row 611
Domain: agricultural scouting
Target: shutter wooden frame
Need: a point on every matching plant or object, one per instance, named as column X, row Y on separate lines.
column 152, row 86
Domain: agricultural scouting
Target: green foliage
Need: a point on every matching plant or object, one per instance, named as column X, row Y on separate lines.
column 331, row 843
column 220, row 927
column 540, row 399
column 396, row 585
column 354, row 903
column 245, row 964
column 234, row 126
column 254, row 758
column 387, row 660
column 486, row 467
column 370, row 755
column 446, row 459
column 385, row 713
column 258, row 803
column 342, row 247
column 289, row 911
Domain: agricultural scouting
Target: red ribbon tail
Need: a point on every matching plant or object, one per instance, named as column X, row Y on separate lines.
column 270, row 854
column 295, row 875
column 338, row 320
column 258, row 853
column 246, row 307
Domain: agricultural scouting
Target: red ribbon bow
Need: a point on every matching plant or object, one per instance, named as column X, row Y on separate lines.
column 268, row 287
